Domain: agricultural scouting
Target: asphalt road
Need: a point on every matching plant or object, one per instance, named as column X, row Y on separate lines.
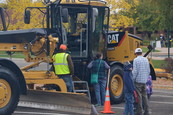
column 161, row 103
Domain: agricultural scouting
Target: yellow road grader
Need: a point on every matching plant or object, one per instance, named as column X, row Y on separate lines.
column 84, row 26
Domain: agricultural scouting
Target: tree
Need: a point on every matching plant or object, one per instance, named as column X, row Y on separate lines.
column 155, row 15
column 16, row 12
column 122, row 13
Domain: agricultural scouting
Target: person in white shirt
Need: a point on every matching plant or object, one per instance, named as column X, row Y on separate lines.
column 141, row 71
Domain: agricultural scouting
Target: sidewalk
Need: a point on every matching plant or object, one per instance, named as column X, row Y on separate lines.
column 162, row 54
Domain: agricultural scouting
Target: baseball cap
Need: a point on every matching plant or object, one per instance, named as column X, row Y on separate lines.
column 63, row 47
column 138, row 50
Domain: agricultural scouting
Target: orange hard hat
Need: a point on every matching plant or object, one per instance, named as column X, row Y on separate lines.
column 63, row 47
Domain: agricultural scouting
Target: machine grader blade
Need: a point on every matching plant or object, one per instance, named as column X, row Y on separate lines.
column 68, row 102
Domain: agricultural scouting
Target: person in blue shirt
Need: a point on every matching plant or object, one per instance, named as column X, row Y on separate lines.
column 129, row 89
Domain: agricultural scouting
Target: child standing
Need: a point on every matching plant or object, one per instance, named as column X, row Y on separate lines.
column 149, row 87
column 128, row 89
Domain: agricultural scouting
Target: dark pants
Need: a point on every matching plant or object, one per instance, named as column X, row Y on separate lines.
column 142, row 95
column 68, row 81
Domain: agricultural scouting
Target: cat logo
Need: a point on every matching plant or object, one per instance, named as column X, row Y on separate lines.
column 113, row 38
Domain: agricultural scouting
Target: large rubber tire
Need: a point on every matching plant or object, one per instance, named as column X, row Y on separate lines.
column 116, row 84
column 10, row 91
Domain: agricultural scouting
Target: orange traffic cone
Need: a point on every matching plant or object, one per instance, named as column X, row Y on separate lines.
column 107, row 105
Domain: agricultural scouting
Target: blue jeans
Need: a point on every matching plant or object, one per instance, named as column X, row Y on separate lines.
column 68, row 81
column 129, row 101
column 100, row 89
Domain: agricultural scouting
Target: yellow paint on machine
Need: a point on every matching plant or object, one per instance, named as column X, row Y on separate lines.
column 125, row 50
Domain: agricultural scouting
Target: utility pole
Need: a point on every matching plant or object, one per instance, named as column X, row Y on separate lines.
column 168, row 43
column 169, row 28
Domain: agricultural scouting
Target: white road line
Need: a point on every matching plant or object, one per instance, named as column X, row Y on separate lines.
column 171, row 103
column 158, row 102
column 167, row 92
column 38, row 113
column 118, row 107
column 166, row 96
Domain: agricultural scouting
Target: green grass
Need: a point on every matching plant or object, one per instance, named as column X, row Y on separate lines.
column 146, row 42
column 145, row 49
column 15, row 55
column 157, row 63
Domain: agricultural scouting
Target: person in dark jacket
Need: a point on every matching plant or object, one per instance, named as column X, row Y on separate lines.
column 100, row 66
column 128, row 89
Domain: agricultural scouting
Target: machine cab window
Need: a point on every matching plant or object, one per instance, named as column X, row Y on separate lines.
column 75, row 31
column 83, row 38
column 99, row 30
